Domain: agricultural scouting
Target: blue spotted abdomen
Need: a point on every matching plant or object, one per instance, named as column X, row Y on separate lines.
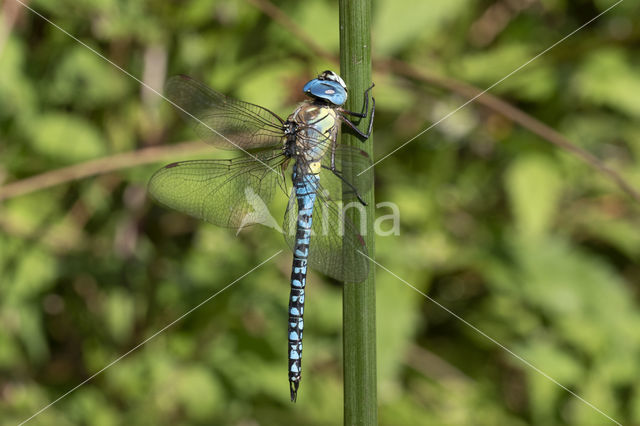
column 305, row 187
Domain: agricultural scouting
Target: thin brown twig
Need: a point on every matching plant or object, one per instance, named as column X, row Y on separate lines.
column 431, row 365
column 10, row 14
column 275, row 13
column 99, row 166
column 463, row 89
column 517, row 115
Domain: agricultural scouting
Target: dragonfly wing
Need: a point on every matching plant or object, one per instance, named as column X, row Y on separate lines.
column 354, row 165
column 229, row 193
column 336, row 247
column 345, row 172
column 335, row 243
column 223, row 121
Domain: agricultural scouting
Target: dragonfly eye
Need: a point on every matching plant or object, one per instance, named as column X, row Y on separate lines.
column 329, row 87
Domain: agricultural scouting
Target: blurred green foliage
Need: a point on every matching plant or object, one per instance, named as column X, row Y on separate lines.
column 524, row 241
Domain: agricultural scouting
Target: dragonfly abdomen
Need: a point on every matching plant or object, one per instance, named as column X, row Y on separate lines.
column 305, row 186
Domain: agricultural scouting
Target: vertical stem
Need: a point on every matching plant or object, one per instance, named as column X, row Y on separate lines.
column 359, row 303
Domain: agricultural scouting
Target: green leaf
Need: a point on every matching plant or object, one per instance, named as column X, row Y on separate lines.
column 555, row 362
column 315, row 16
column 84, row 79
column 90, row 406
column 119, row 314
column 31, row 332
column 16, row 90
column 397, row 24
column 595, row 83
column 35, row 273
column 9, row 351
column 535, row 81
column 199, row 392
column 534, row 187
column 66, row 138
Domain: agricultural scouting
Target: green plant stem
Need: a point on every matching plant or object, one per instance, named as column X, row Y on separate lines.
column 359, row 303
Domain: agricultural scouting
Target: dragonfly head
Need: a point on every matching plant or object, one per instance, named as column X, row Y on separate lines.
column 329, row 87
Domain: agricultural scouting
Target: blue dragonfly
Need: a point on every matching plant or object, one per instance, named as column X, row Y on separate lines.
column 304, row 146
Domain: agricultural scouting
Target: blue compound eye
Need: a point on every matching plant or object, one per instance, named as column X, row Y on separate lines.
column 331, row 91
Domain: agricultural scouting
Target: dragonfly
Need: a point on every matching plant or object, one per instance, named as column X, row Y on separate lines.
column 229, row 193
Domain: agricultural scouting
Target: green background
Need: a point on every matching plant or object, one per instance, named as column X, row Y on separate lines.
column 520, row 239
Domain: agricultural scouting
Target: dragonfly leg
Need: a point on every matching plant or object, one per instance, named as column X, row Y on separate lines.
column 333, row 157
column 353, row 127
column 365, row 107
column 349, row 184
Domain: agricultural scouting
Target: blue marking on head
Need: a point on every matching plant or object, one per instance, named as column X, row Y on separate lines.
column 329, row 87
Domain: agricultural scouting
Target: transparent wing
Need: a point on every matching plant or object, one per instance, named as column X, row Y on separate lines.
column 335, row 242
column 346, row 163
column 352, row 164
column 229, row 193
column 223, row 121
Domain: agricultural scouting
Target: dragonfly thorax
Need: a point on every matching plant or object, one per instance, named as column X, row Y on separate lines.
column 316, row 131
column 290, row 128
